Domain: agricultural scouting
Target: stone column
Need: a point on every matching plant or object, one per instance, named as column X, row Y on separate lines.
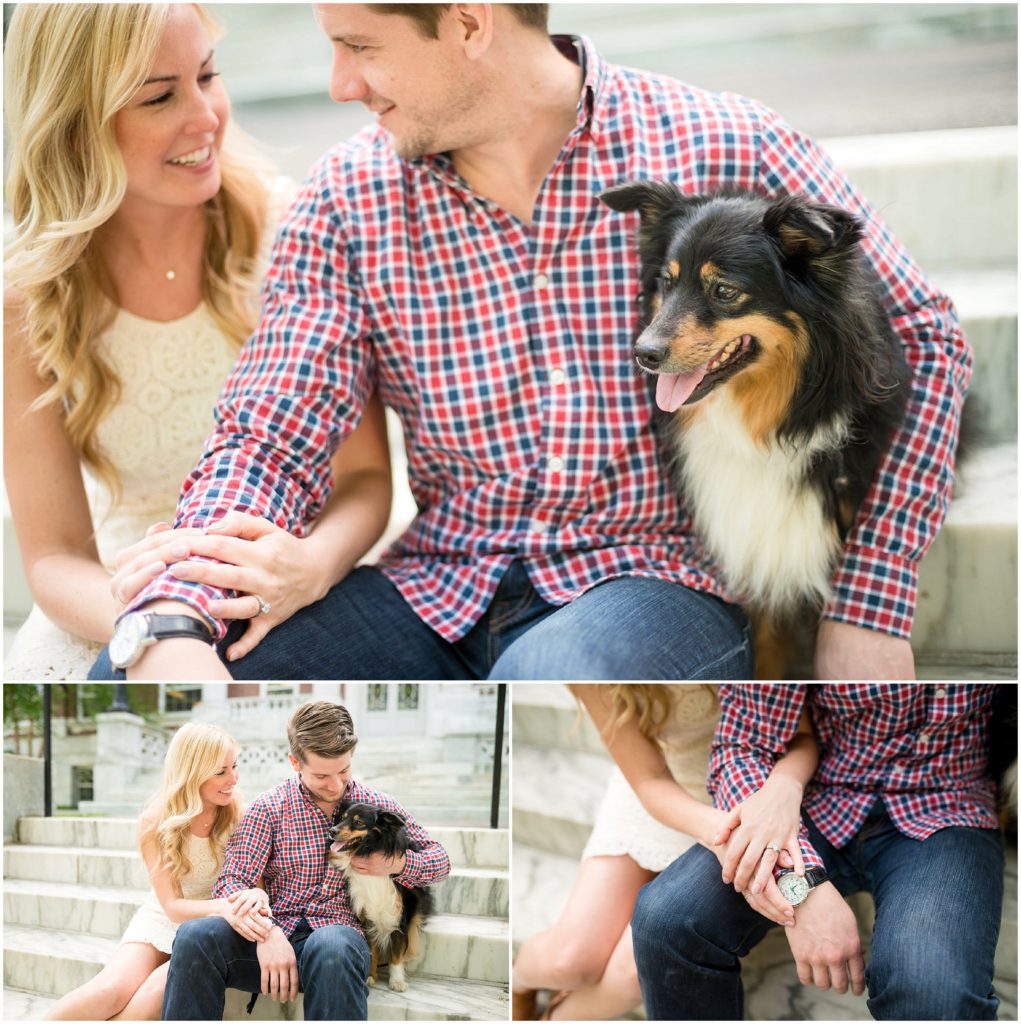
column 214, row 706
column 118, row 754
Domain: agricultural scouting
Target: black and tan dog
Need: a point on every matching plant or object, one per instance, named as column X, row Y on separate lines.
column 763, row 321
column 391, row 914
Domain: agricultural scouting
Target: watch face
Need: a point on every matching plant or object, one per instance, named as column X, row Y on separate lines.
column 793, row 888
column 128, row 640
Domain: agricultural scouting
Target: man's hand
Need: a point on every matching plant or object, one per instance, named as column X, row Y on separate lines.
column 825, row 943
column 279, row 967
column 377, row 864
column 843, row 651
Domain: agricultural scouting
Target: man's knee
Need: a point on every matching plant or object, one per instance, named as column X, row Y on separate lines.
column 336, row 946
column 202, row 935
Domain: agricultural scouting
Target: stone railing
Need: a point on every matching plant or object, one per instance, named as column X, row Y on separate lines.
column 247, row 709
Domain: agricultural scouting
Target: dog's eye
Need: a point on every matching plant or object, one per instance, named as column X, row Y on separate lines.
column 665, row 283
column 725, row 293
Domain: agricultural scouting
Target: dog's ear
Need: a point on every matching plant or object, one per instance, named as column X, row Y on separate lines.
column 807, row 232
column 389, row 819
column 654, row 200
column 343, row 806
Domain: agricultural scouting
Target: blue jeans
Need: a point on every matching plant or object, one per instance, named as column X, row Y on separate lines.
column 938, row 904
column 624, row 628
column 209, row 957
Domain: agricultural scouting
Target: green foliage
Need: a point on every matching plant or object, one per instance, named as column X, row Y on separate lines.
column 23, row 701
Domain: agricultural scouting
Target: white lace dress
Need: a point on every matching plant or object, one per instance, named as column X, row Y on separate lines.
column 623, row 826
column 150, row 924
column 171, row 374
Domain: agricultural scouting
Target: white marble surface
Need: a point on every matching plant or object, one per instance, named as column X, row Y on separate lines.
column 474, row 847
column 456, row 946
column 479, row 892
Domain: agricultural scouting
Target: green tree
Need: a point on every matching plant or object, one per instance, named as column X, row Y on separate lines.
column 23, row 702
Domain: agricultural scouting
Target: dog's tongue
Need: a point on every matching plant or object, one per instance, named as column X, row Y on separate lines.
column 336, row 847
column 674, row 389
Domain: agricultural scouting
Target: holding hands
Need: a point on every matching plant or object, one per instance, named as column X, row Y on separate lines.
column 273, row 572
column 247, row 912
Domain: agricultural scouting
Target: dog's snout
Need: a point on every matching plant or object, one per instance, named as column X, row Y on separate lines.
column 650, row 351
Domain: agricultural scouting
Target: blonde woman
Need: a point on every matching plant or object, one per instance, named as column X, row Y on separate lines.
column 141, row 231
column 655, row 808
column 182, row 834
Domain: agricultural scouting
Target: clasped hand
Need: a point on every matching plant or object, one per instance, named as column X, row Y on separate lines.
column 254, row 557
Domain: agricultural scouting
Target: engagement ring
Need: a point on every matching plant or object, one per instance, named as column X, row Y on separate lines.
column 263, row 606
column 773, row 847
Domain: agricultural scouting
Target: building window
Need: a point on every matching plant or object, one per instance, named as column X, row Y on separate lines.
column 81, row 784
column 279, row 690
column 375, row 698
column 407, row 696
column 181, row 698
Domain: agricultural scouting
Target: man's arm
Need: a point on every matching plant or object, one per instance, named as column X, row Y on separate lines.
column 247, row 853
column 875, row 586
column 298, row 388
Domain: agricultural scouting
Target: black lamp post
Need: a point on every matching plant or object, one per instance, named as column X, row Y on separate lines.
column 120, row 698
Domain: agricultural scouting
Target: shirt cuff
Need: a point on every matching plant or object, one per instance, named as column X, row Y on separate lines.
column 874, row 589
column 195, row 595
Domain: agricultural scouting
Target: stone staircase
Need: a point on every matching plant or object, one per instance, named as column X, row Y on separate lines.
column 72, row 884
column 560, row 772
column 951, row 197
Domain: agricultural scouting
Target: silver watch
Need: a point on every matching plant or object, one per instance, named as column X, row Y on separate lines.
column 139, row 630
column 795, row 888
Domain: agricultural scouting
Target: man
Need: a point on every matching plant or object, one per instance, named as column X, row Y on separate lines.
column 902, row 805
column 455, row 257
column 316, row 944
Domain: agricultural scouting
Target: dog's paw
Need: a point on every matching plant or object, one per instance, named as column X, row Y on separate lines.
column 398, row 985
column 370, row 980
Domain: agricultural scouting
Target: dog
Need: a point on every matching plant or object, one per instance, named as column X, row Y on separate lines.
column 785, row 380
column 391, row 914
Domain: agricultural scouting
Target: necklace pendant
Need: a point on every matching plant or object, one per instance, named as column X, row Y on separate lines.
column 171, row 275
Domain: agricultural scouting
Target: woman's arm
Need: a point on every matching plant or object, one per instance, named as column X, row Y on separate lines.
column 179, row 909
column 642, row 764
column 51, row 515
column 772, row 815
column 255, row 557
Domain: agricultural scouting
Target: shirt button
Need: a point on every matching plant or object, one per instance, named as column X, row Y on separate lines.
column 923, row 738
column 540, row 281
column 538, row 526
column 555, row 464
column 557, row 376
column 941, row 692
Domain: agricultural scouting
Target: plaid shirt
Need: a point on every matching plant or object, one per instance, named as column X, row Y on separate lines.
column 923, row 748
column 284, row 836
column 506, row 350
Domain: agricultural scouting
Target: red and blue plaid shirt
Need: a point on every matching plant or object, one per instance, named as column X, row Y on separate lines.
column 284, row 836
column 506, row 350
column 923, row 749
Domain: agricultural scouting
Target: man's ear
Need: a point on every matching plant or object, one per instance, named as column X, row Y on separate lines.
column 811, row 232
column 474, row 27
column 295, row 763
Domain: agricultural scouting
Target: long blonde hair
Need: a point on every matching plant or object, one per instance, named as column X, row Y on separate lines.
column 69, row 68
column 195, row 755
column 649, row 703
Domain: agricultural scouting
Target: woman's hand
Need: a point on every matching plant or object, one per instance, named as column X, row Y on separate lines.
column 138, row 565
column 247, row 912
column 769, row 818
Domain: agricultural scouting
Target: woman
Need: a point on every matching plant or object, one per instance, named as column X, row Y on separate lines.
column 654, row 810
column 142, row 228
column 182, row 834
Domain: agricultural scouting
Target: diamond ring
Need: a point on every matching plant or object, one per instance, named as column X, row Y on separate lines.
column 773, row 847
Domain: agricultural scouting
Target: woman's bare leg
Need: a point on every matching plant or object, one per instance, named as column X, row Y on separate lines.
column 575, row 952
column 147, row 1002
column 617, row 992
column 110, row 990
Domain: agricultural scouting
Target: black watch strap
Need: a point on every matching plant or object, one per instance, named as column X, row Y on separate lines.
column 163, row 627
column 816, row 876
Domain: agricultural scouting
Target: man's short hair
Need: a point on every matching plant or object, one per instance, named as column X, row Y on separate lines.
column 427, row 16
column 320, row 727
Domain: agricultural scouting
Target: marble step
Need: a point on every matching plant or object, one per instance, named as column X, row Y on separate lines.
column 556, row 796
column 475, row 891
column 949, row 196
column 466, row 847
column 542, row 881
column 547, row 715
column 967, row 594
column 49, row 963
column 458, row 946
column 987, row 304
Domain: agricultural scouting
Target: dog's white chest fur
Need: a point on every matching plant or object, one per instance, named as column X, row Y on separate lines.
column 374, row 899
column 765, row 526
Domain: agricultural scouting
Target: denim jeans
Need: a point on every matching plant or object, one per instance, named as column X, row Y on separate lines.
column 624, row 628
column 938, row 904
column 209, row 957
